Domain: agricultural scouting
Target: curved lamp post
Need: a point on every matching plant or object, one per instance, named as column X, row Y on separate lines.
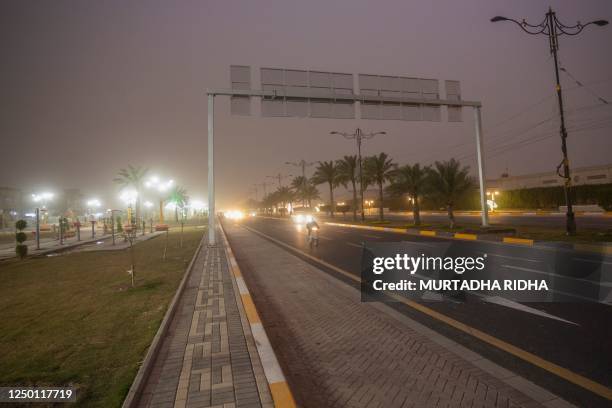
column 553, row 29
column 358, row 136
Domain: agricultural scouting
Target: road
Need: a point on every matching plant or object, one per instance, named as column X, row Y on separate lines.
column 575, row 335
column 599, row 222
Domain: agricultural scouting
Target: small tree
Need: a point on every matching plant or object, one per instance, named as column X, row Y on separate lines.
column 21, row 249
column 119, row 225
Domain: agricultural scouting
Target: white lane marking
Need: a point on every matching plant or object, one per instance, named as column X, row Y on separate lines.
column 513, row 257
column 605, row 284
column 268, row 359
column 420, row 244
column 371, row 236
column 606, row 301
column 498, row 300
column 592, row 261
column 354, row 245
column 242, row 287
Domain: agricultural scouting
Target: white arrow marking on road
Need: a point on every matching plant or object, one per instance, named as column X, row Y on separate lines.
column 498, row 300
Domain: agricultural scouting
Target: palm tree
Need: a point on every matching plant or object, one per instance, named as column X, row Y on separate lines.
column 411, row 180
column 132, row 176
column 178, row 196
column 450, row 181
column 310, row 193
column 327, row 172
column 299, row 185
column 285, row 196
column 379, row 169
column 348, row 172
column 268, row 202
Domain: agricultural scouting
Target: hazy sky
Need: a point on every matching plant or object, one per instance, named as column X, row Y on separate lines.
column 87, row 87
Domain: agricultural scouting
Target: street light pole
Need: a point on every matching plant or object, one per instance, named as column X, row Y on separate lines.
column 279, row 177
column 359, row 136
column 302, row 164
column 37, row 227
column 553, row 28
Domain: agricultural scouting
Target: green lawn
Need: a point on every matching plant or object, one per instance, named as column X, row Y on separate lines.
column 73, row 319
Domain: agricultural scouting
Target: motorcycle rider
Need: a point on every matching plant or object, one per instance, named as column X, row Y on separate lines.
column 310, row 225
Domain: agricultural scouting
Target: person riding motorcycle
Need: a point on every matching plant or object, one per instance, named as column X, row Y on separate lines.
column 310, row 225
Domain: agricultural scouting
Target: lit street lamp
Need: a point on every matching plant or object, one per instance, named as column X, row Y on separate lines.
column 359, row 136
column 41, row 198
column 553, row 28
column 161, row 187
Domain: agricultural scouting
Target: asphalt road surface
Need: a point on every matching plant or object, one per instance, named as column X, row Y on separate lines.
column 575, row 333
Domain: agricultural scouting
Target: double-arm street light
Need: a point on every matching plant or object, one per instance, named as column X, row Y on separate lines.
column 301, row 164
column 280, row 177
column 553, row 29
column 358, row 136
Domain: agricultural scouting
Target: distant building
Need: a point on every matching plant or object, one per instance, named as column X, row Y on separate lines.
column 581, row 175
column 11, row 205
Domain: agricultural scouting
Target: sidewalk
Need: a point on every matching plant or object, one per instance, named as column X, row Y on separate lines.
column 339, row 352
column 207, row 357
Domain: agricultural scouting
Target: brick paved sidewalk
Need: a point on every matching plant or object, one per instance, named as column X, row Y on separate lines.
column 208, row 357
column 339, row 352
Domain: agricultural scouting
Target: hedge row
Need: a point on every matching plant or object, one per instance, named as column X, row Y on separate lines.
column 546, row 198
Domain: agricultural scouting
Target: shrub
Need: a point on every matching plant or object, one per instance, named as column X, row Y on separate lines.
column 21, row 237
column 21, row 225
column 21, row 250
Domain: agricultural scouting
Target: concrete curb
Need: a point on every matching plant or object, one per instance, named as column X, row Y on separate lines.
column 281, row 393
column 146, row 367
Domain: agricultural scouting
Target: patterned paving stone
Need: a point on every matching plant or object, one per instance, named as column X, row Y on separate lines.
column 207, row 357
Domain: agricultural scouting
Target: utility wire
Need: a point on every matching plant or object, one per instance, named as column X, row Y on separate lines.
column 580, row 84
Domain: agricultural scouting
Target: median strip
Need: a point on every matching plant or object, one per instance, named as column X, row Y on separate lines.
column 599, row 249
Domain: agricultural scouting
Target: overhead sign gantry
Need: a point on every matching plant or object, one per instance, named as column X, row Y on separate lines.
column 334, row 95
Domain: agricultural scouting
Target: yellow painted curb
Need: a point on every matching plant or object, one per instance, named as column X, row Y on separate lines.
column 281, row 394
column 471, row 237
column 279, row 389
column 520, row 241
column 428, row 233
column 249, row 308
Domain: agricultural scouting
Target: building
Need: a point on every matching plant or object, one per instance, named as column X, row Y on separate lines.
column 11, row 206
column 580, row 176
